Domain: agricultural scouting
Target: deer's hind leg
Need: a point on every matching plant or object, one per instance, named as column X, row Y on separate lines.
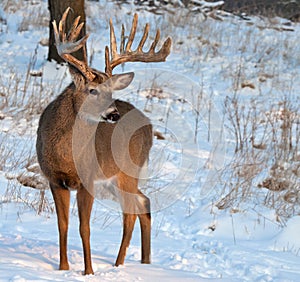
column 134, row 204
column 128, row 225
column 61, row 197
column 145, row 223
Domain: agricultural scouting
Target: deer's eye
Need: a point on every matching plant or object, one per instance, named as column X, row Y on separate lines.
column 93, row 91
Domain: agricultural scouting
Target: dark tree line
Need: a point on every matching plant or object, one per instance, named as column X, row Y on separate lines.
column 285, row 8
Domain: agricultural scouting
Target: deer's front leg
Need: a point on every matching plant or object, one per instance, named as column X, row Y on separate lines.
column 85, row 204
column 61, row 198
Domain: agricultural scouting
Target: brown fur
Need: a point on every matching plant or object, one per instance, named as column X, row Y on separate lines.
column 107, row 150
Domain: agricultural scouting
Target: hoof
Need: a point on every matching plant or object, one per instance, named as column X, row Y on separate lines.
column 64, row 267
column 88, row 272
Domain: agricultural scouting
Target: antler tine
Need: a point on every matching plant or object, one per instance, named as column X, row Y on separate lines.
column 67, row 44
column 132, row 33
column 127, row 55
column 108, row 69
column 75, row 29
column 154, row 43
column 144, row 38
column 113, row 41
column 62, row 24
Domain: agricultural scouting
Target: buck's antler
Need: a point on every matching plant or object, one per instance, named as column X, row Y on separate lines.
column 127, row 55
column 66, row 44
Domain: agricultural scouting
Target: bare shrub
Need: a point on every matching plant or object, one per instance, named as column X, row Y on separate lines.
column 22, row 99
column 266, row 165
column 34, row 13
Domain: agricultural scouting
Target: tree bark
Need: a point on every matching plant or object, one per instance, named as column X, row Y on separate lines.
column 57, row 8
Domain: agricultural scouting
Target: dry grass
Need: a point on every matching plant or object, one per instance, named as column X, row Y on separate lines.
column 265, row 169
column 22, row 99
column 34, row 13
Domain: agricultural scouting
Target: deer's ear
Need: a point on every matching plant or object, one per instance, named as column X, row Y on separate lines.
column 121, row 81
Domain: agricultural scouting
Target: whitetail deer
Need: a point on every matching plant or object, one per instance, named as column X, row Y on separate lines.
column 108, row 138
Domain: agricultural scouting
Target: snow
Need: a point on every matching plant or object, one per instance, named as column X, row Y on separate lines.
column 193, row 239
column 180, row 253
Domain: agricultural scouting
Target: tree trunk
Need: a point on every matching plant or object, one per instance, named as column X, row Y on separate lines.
column 57, row 8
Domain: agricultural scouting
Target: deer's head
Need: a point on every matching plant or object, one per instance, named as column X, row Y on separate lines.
column 94, row 88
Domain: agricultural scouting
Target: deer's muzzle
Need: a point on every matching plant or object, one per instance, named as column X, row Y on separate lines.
column 111, row 115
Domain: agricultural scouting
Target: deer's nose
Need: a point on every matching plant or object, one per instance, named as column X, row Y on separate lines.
column 111, row 115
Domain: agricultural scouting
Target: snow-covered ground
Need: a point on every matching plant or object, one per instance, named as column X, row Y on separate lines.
column 213, row 60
